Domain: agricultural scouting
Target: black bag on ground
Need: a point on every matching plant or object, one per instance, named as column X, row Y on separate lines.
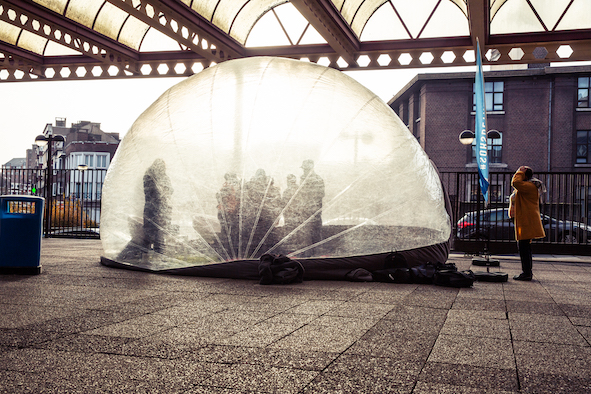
column 279, row 269
column 423, row 274
column 392, row 275
column 359, row 275
column 454, row 278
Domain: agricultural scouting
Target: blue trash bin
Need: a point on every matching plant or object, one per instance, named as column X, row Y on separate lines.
column 21, row 223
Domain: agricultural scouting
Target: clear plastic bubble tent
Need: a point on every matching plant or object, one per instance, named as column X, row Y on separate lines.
column 268, row 156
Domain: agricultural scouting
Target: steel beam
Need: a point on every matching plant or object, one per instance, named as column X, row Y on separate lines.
column 330, row 25
column 57, row 28
column 478, row 20
column 183, row 25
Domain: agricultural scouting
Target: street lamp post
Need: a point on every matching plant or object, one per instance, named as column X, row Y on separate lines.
column 41, row 141
column 82, row 168
column 466, row 138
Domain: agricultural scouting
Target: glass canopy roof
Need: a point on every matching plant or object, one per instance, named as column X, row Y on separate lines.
column 118, row 38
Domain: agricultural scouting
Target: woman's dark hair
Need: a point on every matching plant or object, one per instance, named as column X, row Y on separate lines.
column 529, row 173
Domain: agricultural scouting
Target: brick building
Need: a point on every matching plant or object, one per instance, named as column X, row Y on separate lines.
column 543, row 115
column 85, row 143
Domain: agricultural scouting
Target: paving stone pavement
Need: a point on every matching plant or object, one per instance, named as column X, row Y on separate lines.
column 80, row 327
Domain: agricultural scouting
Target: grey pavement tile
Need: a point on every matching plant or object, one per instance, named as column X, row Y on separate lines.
column 258, row 335
column 230, row 299
column 201, row 335
column 178, row 315
column 488, row 328
column 585, row 332
column 342, row 382
column 350, row 322
column 534, row 308
column 323, row 336
column 417, row 325
column 479, row 304
column 218, row 354
column 315, row 307
column 14, row 382
column 549, row 383
column 261, row 379
column 573, row 300
column 86, row 344
column 15, row 316
column 459, row 315
column 415, row 317
column 483, row 352
column 463, row 376
column 410, row 346
column 483, row 290
column 438, row 388
column 553, row 358
column 231, row 318
column 544, row 328
column 529, row 296
column 126, row 330
column 431, row 297
column 361, row 310
column 24, row 337
column 270, row 306
column 295, row 320
column 376, row 367
column 306, row 360
column 573, row 310
column 319, row 338
column 155, row 319
column 344, row 294
column 216, row 390
column 147, row 347
column 581, row 321
column 84, row 321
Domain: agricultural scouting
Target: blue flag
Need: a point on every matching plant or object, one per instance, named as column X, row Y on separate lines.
column 480, row 124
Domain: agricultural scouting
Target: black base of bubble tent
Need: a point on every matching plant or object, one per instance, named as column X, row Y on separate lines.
column 321, row 268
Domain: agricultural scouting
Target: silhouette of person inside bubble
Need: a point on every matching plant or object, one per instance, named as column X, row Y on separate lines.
column 229, row 212
column 157, row 207
column 261, row 207
column 311, row 194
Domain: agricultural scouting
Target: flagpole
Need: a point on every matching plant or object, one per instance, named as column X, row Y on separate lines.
column 480, row 125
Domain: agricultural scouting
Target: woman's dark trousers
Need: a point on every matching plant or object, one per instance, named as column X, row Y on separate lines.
column 526, row 256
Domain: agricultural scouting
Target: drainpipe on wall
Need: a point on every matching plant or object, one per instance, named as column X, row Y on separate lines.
column 550, row 123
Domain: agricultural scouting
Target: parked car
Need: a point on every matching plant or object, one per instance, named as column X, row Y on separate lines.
column 495, row 224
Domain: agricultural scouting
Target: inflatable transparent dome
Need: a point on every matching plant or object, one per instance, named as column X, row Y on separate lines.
column 268, row 155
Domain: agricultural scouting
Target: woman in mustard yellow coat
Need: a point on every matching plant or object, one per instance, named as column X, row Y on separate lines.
column 528, row 225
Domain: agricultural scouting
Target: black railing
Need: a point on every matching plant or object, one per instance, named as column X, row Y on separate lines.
column 73, row 199
column 565, row 209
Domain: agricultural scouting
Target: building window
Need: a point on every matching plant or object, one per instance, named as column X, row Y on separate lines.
column 101, row 161
column 583, row 145
column 495, row 150
column 496, row 190
column 88, row 160
column 583, row 92
column 493, row 96
column 87, row 190
column 99, row 190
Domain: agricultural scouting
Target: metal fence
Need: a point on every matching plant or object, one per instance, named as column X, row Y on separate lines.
column 72, row 198
column 73, row 202
column 565, row 209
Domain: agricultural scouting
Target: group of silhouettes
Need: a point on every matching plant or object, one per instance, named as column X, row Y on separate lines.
column 250, row 213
